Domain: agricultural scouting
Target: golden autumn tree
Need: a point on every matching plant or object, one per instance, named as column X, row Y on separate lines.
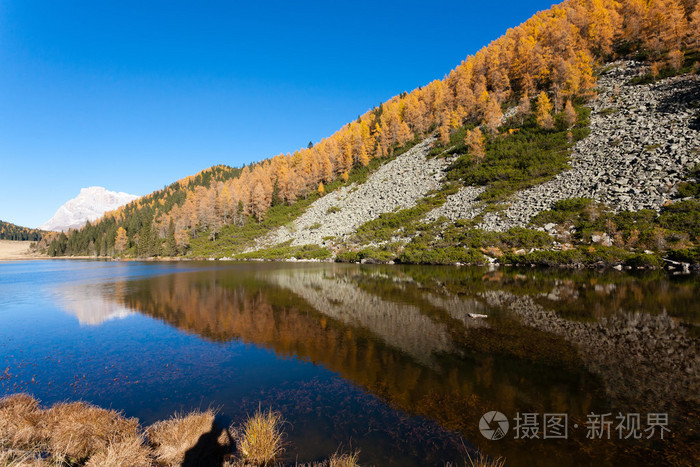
column 675, row 28
column 475, row 142
column 633, row 13
column 603, row 22
column 694, row 27
column 120, row 240
column 493, row 116
column 524, row 107
column 544, row 112
column 675, row 59
column 569, row 114
column 321, row 189
column 445, row 132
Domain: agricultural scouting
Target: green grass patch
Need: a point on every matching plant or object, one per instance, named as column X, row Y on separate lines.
column 382, row 254
column 285, row 251
column 518, row 157
column 415, row 254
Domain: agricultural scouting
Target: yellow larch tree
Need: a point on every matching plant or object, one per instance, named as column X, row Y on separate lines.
column 475, row 142
column 120, row 240
column 569, row 114
column 493, row 116
column 694, row 27
column 544, row 111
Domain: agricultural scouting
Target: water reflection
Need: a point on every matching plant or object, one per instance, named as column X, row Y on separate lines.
column 551, row 343
column 92, row 305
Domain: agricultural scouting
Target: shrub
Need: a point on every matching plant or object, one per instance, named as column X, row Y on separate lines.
column 682, row 216
column 417, row 254
column 344, row 460
column 261, row 439
column 685, row 255
column 128, row 451
column 642, row 260
column 19, row 420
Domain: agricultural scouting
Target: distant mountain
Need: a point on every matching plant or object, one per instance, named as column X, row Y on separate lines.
column 89, row 205
column 15, row 232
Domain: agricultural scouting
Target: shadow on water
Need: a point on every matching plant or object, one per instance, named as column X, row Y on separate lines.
column 211, row 448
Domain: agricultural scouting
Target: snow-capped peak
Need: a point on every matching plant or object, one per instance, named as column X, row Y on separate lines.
column 90, row 204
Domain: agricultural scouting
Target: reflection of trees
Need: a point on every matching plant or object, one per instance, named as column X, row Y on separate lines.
column 393, row 339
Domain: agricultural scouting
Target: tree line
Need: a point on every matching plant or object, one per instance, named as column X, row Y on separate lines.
column 10, row 231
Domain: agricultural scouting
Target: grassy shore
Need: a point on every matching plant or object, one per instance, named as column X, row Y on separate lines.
column 81, row 434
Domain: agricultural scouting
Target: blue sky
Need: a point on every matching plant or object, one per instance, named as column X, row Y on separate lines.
column 133, row 95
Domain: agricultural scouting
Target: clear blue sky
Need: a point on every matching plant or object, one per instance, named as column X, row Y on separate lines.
column 133, row 95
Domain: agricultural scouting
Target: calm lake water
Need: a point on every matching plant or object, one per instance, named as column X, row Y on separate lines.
column 385, row 359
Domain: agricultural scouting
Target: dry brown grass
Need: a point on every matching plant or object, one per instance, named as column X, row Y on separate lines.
column 481, row 460
column 261, row 438
column 20, row 417
column 171, row 439
column 126, row 452
column 344, row 460
column 75, row 431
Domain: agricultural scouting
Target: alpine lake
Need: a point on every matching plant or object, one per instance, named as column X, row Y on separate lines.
column 586, row 367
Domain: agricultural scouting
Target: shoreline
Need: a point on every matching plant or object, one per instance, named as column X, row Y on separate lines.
column 672, row 267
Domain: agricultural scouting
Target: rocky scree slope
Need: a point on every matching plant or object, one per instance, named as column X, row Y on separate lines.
column 641, row 143
column 397, row 184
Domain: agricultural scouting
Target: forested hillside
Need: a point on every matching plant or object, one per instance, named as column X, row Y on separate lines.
column 141, row 218
column 545, row 68
column 15, row 232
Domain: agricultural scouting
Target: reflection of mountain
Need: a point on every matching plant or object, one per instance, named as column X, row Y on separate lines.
column 636, row 354
column 392, row 339
column 399, row 325
column 91, row 304
column 412, row 345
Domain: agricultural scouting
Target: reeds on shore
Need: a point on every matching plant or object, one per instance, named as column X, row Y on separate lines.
column 80, row 434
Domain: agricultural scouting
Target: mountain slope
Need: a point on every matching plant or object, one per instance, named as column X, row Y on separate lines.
column 508, row 116
column 632, row 163
column 90, row 204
